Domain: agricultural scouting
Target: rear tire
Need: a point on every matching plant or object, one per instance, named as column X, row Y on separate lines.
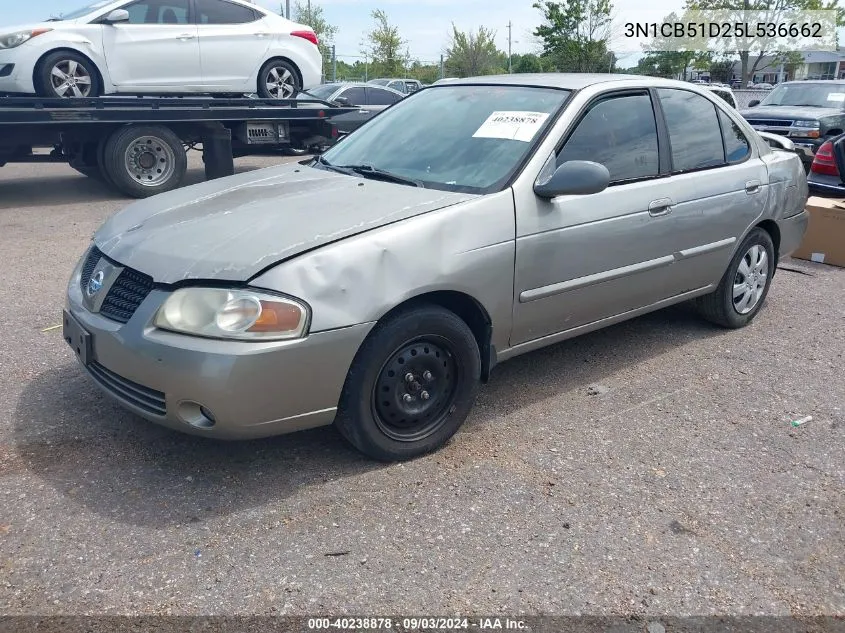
column 745, row 284
column 65, row 75
column 411, row 386
column 278, row 79
column 144, row 160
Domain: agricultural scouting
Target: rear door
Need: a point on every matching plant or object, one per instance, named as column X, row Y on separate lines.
column 356, row 97
column 233, row 40
column 157, row 48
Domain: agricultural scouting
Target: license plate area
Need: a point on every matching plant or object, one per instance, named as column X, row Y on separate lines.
column 76, row 336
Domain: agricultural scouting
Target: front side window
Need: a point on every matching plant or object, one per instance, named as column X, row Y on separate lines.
column 694, row 132
column 158, row 12
column 621, row 134
column 222, row 12
column 464, row 138
column 355, row 96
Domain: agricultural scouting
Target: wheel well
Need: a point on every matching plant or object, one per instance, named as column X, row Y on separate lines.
column 40, row 62
column 771, row 227
column 289, row 61
column 470, row 311
column 833, row 132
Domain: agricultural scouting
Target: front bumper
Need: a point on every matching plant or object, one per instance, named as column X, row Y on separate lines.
column 16, row 70
column 250, row 389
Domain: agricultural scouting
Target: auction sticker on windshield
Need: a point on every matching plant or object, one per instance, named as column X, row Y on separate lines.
column 836, row 96
column 513, row 125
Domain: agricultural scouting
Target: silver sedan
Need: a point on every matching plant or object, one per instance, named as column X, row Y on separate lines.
column 375, row 287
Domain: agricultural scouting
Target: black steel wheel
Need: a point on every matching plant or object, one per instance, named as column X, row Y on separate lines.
column 411, row 385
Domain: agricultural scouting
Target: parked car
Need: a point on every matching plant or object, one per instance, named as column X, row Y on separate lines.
column 405, row 86
column 370, row 100
column 724, row 92
column 828, row 167
column 160, row 47
column 377, row 285
column 807, row 112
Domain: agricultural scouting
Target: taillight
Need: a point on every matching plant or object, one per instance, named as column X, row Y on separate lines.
column 311, row 36
column 824, row 162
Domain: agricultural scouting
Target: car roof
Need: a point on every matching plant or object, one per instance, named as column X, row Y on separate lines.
column 568, row 81
column 358, row 84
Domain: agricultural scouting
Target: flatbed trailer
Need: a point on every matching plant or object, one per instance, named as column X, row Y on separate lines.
column 138, row 145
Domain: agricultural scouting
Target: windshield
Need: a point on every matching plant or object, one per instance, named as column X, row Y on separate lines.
column 457, row 138
column 320, row 92
column 816, row 95
column 72, row 15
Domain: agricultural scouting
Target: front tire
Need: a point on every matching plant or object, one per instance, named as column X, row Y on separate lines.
column 65, row 75
column 278, row 79
column 744, row 286
column 411, row 385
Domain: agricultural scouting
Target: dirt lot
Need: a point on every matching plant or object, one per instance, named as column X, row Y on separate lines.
column 647, row 469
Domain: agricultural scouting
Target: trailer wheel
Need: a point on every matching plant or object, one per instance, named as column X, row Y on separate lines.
column 143, row 160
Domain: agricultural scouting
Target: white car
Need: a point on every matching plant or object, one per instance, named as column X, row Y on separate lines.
column 160, row 47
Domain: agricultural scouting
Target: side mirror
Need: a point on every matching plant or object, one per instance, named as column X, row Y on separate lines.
column 574, row 177
column 344, row 101
column 753, row 102
column 117, row 16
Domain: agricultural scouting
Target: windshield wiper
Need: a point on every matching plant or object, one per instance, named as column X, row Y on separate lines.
column 319, row 160
column 368, row 171
column 54, row 20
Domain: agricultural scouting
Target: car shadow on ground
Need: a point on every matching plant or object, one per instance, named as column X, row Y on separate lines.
column 74, row 188
column 121, row 467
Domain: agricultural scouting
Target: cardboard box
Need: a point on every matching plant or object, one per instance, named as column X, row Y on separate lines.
column 824, row 241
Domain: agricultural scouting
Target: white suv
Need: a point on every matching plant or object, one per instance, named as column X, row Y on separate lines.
column 160, row 47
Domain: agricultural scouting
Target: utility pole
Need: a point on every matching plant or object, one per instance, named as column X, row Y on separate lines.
column 309, row 14
column 441, row 66
column 286, row 10
column 334, row 64
column 510, row 67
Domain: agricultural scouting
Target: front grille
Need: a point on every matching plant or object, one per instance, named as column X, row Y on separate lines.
column 88, row 267
column 144, row 398
column 126, row 294
column 770, row 122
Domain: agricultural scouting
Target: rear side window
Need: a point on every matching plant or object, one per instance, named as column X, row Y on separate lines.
column 158, row 12
column 377, row 96
column 621, row 134
column 222, row 12
column 737, row 146
column 694, row 131
column 398, row 85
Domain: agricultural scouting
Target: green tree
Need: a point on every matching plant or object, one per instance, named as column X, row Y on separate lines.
column 575, row 34
column 528, row 63
column 470, row 54
column 312, row 15
column 383, row 47
column 751, row 55
column 673, row 63
column 721, row 71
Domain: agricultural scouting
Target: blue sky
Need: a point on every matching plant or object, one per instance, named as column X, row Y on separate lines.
column 426, row 24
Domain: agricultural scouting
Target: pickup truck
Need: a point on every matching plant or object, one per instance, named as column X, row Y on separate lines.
column 807, row 112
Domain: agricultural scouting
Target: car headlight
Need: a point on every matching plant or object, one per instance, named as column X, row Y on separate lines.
column 805, row 124
column 11, row 40
column 233, row 314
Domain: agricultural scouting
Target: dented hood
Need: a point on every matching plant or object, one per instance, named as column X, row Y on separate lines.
column 233, row 228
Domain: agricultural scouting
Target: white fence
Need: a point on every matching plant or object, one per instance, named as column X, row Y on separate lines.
column 744, row 97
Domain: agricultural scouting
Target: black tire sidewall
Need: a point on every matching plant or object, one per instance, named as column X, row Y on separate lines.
column 756, row 237
column 44, row 87
column 356, row 419
column 265, row 70
column 114, row 165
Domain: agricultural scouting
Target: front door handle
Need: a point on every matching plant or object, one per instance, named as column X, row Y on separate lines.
column 661, row 206
column 752, row 186
column 186, row 36
column 262, row 34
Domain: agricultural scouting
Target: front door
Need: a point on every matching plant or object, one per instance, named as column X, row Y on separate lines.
column 158, row 47
column 233, row 41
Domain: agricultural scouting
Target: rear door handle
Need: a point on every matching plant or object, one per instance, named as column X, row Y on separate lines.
column 186, row 36
column 661, row 206
column 752, row 186
column 262, row 34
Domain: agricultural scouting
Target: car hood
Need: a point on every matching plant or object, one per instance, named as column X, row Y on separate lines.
column 234, row 228
column 789, row 112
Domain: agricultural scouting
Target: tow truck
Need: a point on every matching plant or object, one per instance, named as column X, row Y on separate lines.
column 138, row 145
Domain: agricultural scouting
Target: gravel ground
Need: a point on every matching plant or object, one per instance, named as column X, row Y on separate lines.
column 647, row 469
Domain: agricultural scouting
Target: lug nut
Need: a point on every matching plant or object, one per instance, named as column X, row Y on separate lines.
column 427, row 375
column 424, row 395
column 407, row 397
column 409, row 377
